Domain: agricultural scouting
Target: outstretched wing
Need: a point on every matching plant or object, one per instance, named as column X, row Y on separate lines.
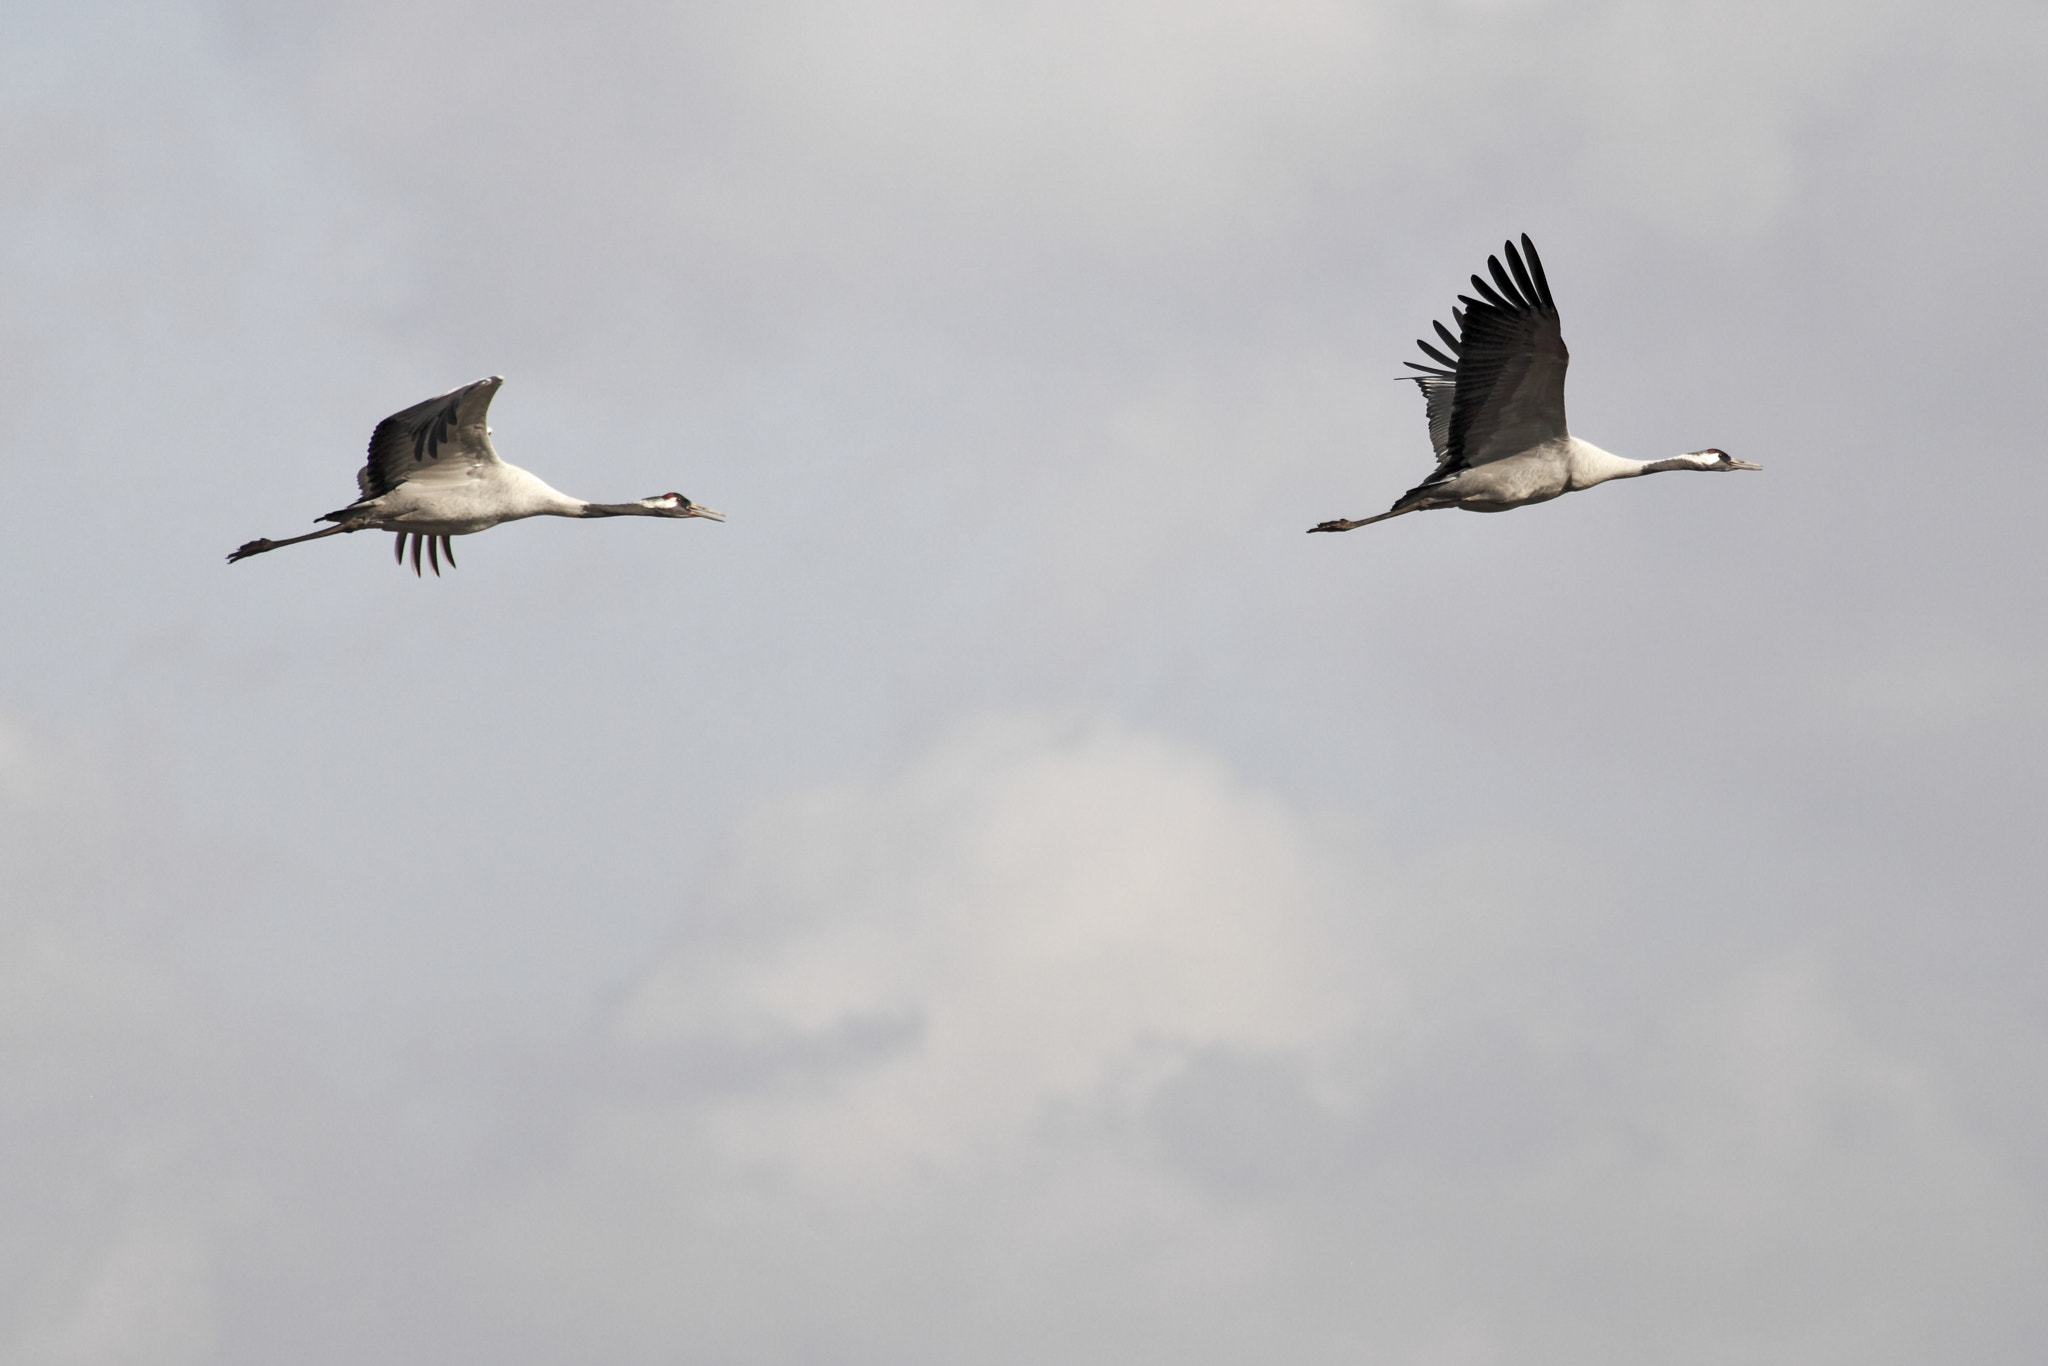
column 444, row 436
column 1500, row 391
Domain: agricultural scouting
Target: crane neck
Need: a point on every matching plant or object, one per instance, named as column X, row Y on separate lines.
column 1676, row 462
column 1590, row 465
column 617, row 510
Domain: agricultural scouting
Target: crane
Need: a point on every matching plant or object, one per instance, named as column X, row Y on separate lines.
column 1496, row 406
column 433, row 474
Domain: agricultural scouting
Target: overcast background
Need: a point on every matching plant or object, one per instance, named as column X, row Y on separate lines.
column 1007, row 895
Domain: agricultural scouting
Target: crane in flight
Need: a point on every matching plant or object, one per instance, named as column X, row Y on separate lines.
column 433, row 474
column 1496, row 406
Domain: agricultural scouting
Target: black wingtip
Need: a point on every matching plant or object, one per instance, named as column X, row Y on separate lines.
column 1527, row 285
column 1536, row 270
column 1434, row 354
column 1507, row 285
column 1486, row 290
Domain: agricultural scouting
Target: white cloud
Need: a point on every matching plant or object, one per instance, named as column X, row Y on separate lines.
column 1035, row 915
column 106, row 1247
column 1066, row 1025
column 1694, row 110
column 866, row 144
column 146, row 1300
column 1061, row 1042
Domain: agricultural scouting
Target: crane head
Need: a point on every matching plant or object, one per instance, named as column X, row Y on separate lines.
column 675, row 505
column 1713, row 458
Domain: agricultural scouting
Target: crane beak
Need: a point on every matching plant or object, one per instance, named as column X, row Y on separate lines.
column 1734, row 464
column 699, row 510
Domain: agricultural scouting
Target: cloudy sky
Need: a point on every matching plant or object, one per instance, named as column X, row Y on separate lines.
column 1007, row 895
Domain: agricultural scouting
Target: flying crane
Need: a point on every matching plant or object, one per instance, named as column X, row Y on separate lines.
column 1495, row 398
column 433, row 474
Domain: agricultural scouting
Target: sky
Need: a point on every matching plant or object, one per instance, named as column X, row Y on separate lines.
column 1006, row 895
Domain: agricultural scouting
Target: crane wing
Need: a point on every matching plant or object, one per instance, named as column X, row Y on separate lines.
column 441, row 438
column 1500, row 391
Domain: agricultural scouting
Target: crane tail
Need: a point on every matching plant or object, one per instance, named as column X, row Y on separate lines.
column 438, row 548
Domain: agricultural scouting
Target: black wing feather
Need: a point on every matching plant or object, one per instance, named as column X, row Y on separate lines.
column 1435, row 355
column 1506, row 359
column 1528, row 288
column 1486, row 293
column 1536, row 269
column 1514, row 296
column 407, row 440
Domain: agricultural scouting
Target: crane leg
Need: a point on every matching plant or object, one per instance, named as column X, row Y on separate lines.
column 259, row 545
column 1341, row 525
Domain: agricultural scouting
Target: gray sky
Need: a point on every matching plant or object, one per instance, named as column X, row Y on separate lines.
column 1007, row 896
